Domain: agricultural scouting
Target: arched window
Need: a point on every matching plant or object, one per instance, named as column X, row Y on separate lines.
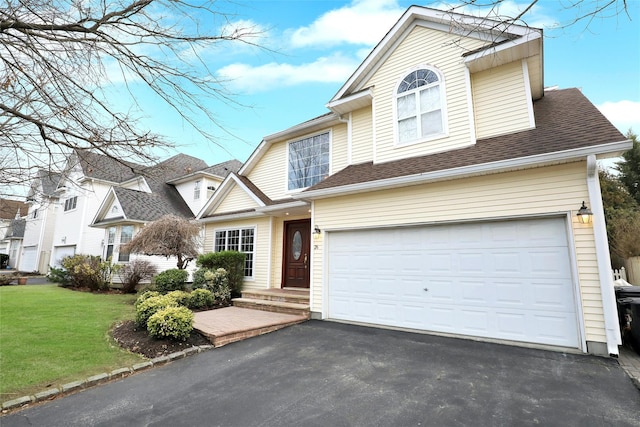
column 419, row 106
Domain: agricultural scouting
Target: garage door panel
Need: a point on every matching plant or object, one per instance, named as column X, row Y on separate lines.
column 509, row 280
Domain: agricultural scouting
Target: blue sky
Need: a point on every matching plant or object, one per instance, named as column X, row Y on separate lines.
column 314, row 46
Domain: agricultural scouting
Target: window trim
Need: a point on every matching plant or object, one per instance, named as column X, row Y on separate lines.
column 297, row 139
column 255, row 240
column 443, row 107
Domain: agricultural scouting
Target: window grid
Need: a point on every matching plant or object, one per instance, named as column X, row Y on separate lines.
column 241, row 240
column 419, row 106
column 196, row 190
column 126, row 234
column 70, row 203
column 308, row 161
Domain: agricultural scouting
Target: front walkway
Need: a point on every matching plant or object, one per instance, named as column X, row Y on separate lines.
column 230, row 324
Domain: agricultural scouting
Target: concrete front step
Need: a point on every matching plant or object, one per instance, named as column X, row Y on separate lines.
column 282, row 295
column 273, row 306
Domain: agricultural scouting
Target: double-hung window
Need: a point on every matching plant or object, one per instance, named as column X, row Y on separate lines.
column 308, row 161
column 126, row 234
column 420, row 106
column 70, row 203
column 196, row 190
column 111, row 240
column 238, row 239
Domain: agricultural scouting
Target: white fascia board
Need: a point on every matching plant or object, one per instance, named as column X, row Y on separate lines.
column 230, row 217
column 283, row 206
column 108, row 199
column 192, row 176
column 351, row 102
column 221, row 193
column 467, row 171
column 485, row 55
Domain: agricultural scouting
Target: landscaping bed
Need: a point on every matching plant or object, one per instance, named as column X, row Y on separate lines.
column 138, row 340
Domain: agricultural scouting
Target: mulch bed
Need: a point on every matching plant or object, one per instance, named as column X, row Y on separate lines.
column 137, row 340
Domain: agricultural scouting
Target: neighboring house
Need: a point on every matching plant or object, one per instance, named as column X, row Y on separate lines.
column 87, row 178
column 40, row 222
column 11, row 228
column 179, row 186
column 439, row 194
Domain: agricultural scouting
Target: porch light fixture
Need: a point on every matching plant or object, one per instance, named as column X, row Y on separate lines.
column 316, row 233
column 584, row 214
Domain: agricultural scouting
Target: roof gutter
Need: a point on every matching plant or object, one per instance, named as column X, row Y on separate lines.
column 467, row 171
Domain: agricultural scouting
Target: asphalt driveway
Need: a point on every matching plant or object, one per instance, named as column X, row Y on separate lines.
column 330, row 374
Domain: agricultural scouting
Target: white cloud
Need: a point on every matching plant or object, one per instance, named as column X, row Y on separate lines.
column 363, row 22
column 245, row 78
column 623, row 114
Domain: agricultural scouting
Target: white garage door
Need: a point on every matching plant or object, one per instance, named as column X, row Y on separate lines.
column 28, row 260
column 507, row 280
column 60, row 252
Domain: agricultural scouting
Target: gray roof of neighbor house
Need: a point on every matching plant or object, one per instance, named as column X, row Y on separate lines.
column 225, row 168
column 100, row 166
column 9, row 208
column 565, row 120
column 16, row 229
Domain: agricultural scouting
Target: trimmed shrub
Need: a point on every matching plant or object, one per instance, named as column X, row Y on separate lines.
column 145, row 296
column 59, row 276
column 200, row 298
column 88, row 271
column 135, row 272
column 180, row 297
column 171, row 322
column 217, row 282
column 150, row 306
column 171, row 280
column 231, row 261
column 199, row 281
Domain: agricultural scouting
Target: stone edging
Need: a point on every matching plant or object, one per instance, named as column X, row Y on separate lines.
column 100, row 378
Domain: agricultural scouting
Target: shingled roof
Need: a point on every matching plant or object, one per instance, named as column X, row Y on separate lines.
column 100, row 166
column 565, row 120
column 225, row 168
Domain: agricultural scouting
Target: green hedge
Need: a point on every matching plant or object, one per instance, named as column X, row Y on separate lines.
column 231, row 261
column 171, row 280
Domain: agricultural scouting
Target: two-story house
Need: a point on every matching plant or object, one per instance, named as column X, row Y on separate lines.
column 440, row 193
column 12, row 229
column 40, row 222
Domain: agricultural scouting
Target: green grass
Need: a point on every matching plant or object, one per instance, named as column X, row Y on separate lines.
column 50, row 336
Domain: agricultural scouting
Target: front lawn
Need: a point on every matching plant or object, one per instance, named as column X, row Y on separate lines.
column 50, row 336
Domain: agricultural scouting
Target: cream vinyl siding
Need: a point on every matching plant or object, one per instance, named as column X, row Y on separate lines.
column 423, row 47
column 236, row 200
column 261, row 247
column 554, row 189
column 270, row 173
column 339, row 140
column 500, row 100
column 362, row 136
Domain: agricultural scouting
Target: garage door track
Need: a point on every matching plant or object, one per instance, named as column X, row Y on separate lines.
column 330, row 374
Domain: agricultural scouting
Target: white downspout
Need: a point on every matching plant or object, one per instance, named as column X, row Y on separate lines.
column 609, row 307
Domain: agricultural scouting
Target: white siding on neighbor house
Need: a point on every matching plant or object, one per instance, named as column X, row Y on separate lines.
column 39, row 233
column 500, row 100
column 554, row 189
column 261, row 242
column 362, row 139
column 186, row 190
column 236, row 200
column 114, row 211
column 72, row 227
column 428, row 48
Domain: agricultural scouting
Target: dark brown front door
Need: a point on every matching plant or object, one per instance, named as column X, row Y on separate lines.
column 295, row 271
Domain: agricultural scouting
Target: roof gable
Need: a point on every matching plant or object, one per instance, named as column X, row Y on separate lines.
column 502, row 43
column 235, row 183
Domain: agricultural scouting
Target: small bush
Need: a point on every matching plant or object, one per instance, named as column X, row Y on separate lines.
column 59, row 276
column 180, row 297
column 145, row 296
column 171, row 322
column 88, row 271
column 200, row 298
column 135, row 272
column 171, row 280
column 215, row 281
column 199, row 281
column 231, row 261
column 150, row 306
